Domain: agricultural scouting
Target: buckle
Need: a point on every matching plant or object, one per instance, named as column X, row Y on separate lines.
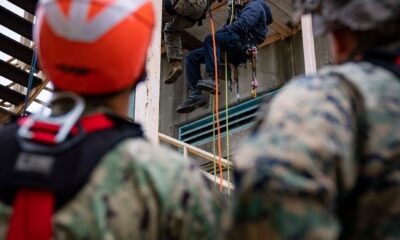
column 60, row 125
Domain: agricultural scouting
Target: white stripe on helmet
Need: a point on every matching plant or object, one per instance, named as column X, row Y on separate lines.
column 77, row 27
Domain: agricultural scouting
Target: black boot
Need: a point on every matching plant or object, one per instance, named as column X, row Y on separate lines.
column 195, row 99
column 208, row 85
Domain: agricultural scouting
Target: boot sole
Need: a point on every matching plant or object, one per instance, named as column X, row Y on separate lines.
column 174, row 77
column 191, row 108
column 208, row 89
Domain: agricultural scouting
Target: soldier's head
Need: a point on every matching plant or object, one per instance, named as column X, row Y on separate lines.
column 353, row 26
column 94, row 48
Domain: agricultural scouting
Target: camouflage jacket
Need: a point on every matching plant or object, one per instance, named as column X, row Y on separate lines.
column 188, row 8
column 300, row 175
column 137, row 191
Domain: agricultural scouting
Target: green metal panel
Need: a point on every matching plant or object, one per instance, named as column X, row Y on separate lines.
column 241, row 116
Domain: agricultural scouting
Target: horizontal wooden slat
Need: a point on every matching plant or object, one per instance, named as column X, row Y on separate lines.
column 16, row 23
column 27, row 5
column 15, row 49
column 17, row 75
column 11, row 96
column 5, row 115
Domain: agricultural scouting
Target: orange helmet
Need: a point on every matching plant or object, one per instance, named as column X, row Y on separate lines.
column 93, row 47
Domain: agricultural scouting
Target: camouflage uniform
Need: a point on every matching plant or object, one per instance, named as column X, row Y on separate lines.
column 300, row 175
column 187, row 11
column 138, row 191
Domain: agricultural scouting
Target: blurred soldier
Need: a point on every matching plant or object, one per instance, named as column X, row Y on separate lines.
column 84, row 172
column 183, row 14
column 324, row 162
column 250, row 28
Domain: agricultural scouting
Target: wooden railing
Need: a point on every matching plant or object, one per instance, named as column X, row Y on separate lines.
column 187, row 148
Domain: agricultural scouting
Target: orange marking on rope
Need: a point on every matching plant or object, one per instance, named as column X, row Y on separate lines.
column 217, row 102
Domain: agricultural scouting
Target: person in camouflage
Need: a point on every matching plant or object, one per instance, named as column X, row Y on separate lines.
column 135, row 190
column 179, row 15
column 324, row 161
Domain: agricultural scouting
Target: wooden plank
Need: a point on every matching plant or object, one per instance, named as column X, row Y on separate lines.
column 5, row 115
column 11, row 96
column 16, row 23
column 218, row 5
column 190, row 42
column 27, row 5
column 17, row 75
column 16, row 49
column 282, row 29
column 271, row 39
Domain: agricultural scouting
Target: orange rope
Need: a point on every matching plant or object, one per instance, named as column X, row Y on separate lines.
column 216, row 101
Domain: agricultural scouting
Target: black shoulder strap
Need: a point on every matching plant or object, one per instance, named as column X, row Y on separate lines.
column 347, row 201
column 62, row 173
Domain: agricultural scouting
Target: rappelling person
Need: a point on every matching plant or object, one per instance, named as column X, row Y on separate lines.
column 83, row 171
column 249, row 28
column 179, row 15
column 324, row 162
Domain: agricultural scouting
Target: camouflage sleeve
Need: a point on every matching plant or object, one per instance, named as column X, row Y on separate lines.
column 286, row 173
column 175, row 194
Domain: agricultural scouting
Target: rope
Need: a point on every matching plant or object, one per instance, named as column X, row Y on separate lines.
column 30, row 81
column 227, row 104
column 227, row 120
column 216, row 100
column 214, row 148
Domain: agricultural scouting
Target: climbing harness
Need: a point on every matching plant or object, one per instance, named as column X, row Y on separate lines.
column 252, row 53
column 39, row 166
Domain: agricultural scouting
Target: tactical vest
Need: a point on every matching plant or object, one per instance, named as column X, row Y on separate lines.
column 169, row 6
column 38, row 177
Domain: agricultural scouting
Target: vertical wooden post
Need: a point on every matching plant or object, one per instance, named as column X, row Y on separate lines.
column 308, row 44
column 185, row 152
column 147, row 97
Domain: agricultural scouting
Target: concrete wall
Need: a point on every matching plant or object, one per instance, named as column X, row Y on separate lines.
column 277, row 63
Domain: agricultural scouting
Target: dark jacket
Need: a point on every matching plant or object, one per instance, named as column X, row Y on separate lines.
column 254, row 19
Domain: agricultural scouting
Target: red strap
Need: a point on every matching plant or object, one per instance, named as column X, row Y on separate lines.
column 45, row 132
column 33, row 209
column 96, row 123
column 32, row 216
column 398, row 61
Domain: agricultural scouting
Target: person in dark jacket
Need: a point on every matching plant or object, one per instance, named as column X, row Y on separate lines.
column 249, row 28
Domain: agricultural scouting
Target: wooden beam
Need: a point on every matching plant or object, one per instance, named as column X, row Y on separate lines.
column 5, row 115
column 271, row 39
column 190, row 42
column 282, row 29
column 218, row 5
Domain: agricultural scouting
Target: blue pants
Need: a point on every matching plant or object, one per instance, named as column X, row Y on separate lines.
column 228, row 42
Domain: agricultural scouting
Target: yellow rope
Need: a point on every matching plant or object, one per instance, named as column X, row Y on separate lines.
column 227, row 104
column 213, row 147
column 227, row 120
